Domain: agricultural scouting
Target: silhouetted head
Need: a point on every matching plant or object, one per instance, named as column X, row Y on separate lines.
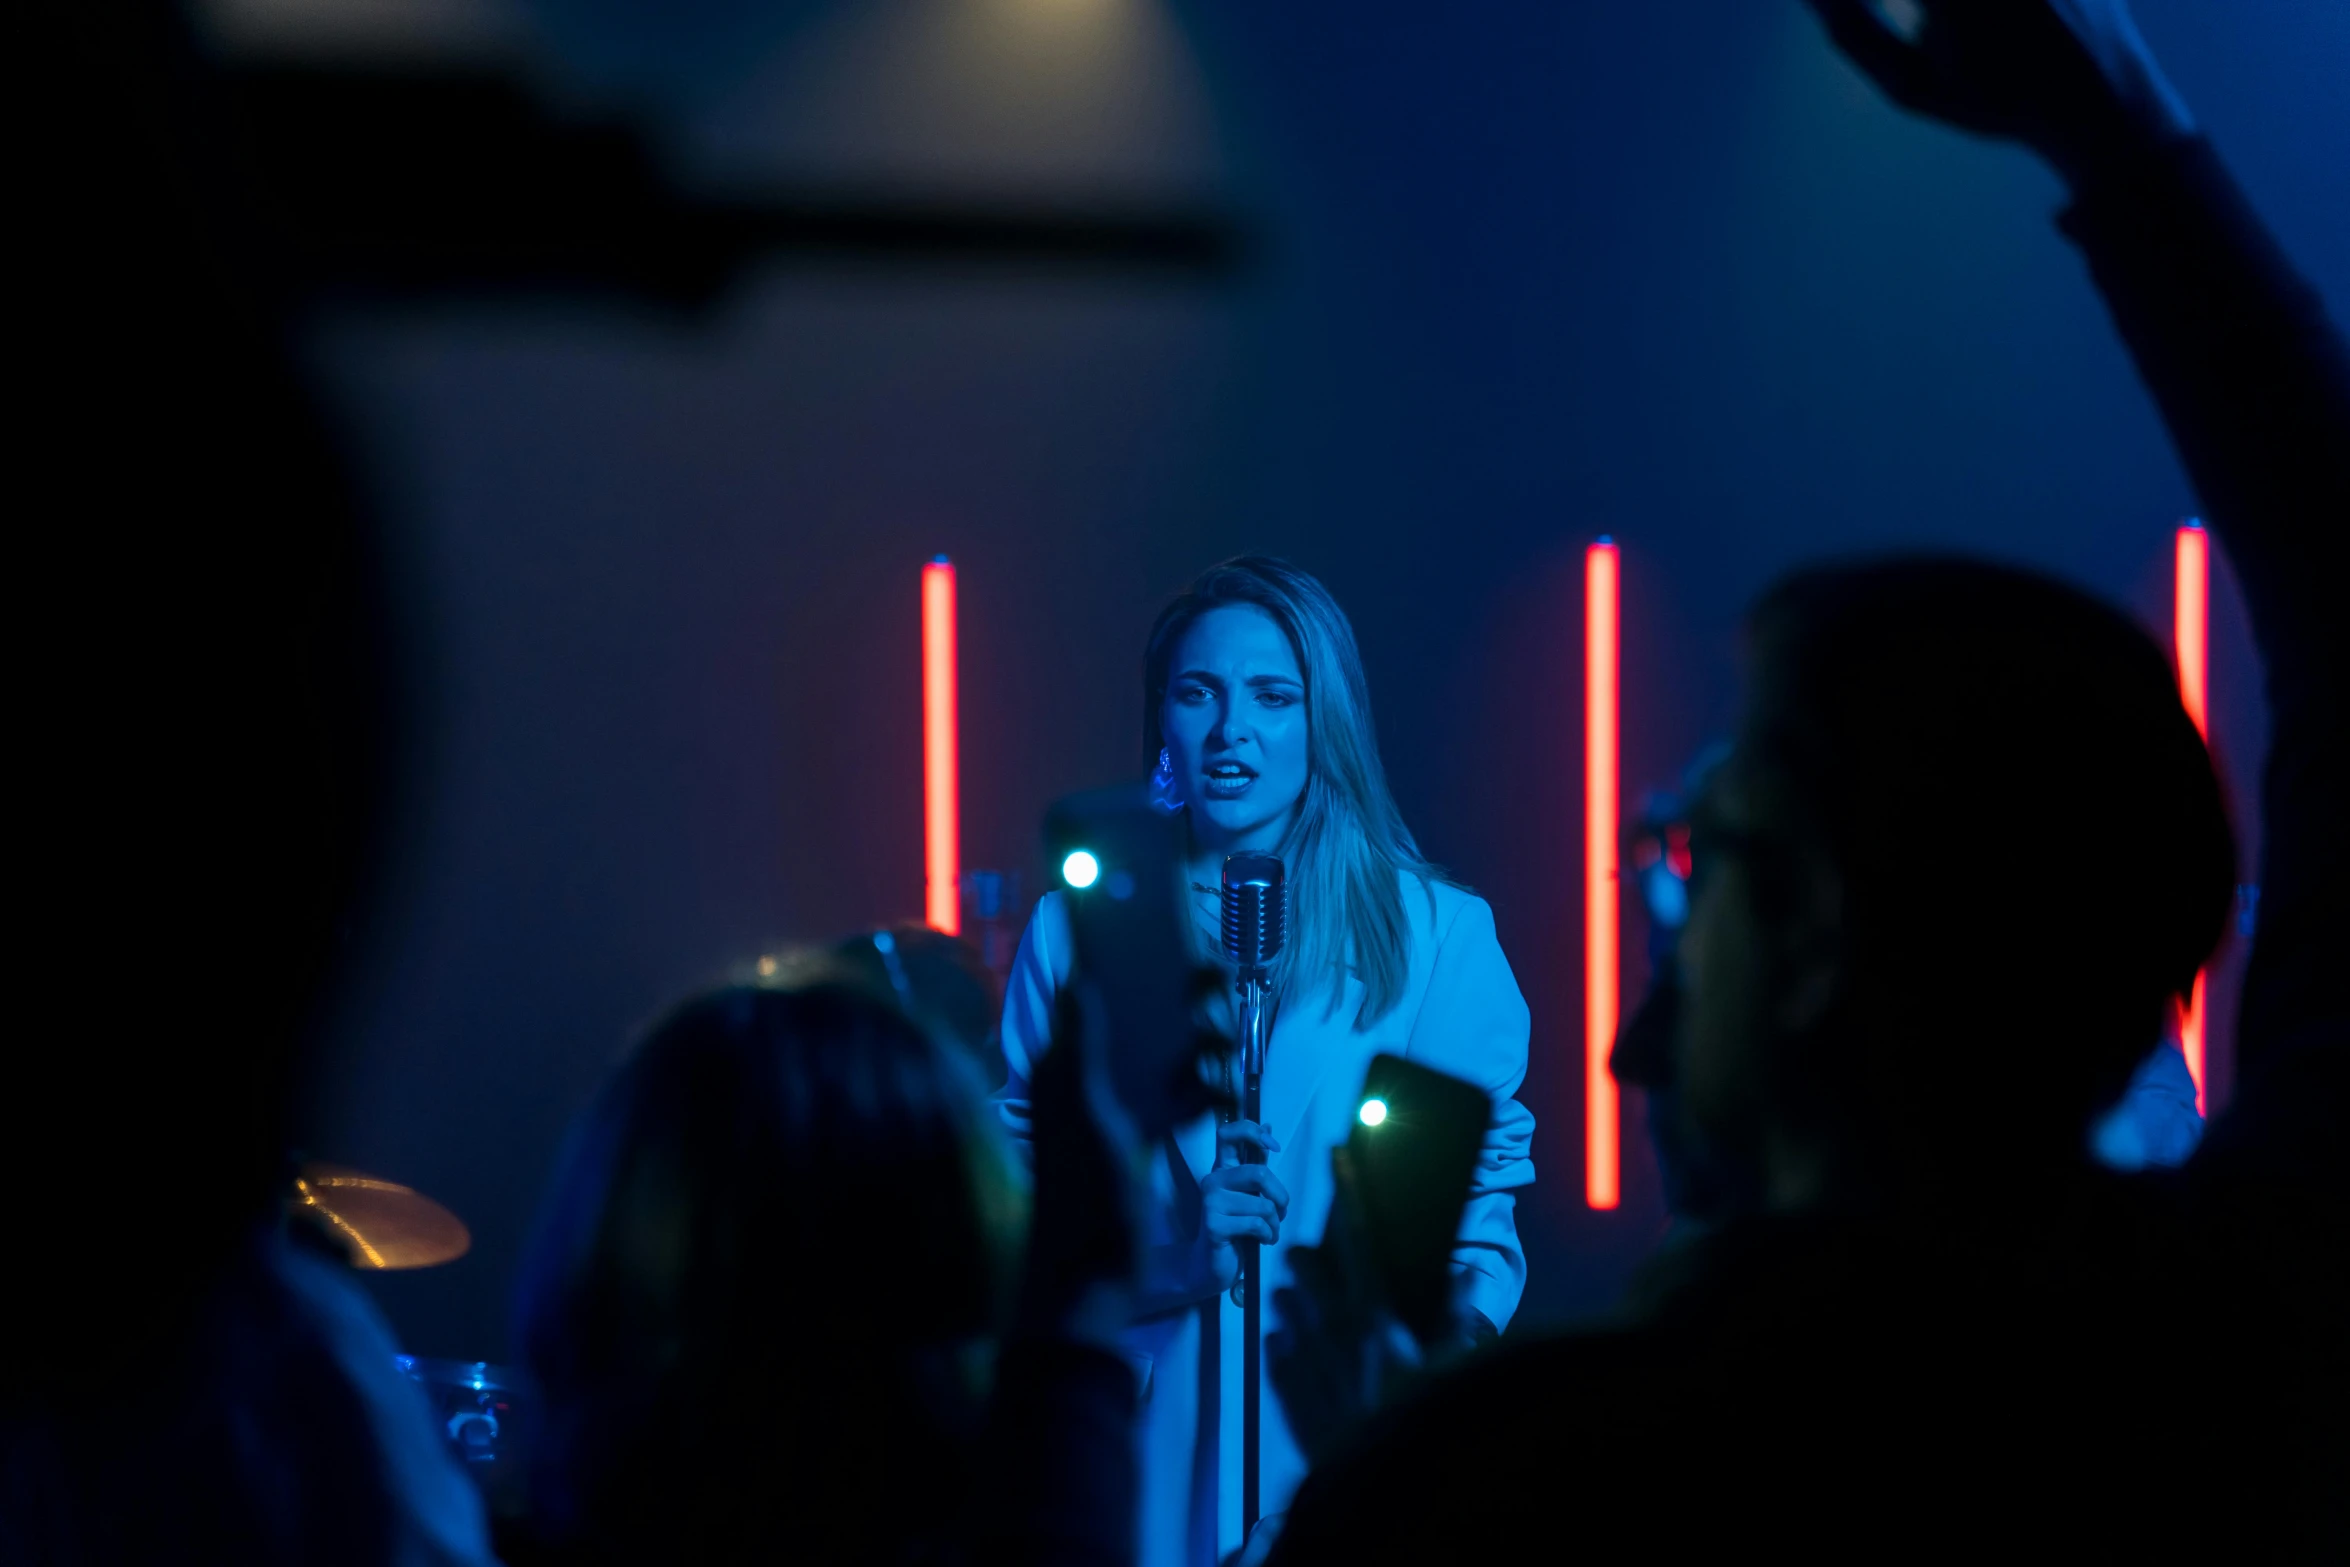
column 1252, row 685
column 1966, row 850
column 761, row 1299
column 945, row 984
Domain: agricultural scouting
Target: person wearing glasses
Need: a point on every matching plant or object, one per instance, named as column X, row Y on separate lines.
column 2156, row 1124
column 1942, row 1330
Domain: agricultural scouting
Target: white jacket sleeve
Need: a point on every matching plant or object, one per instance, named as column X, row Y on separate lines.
column 1038, row 972
column 1474, row 1025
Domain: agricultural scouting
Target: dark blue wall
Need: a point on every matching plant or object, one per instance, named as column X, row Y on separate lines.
column 1670, row 272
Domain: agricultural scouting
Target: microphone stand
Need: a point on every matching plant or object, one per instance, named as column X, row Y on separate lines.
column 1255, row 923
column 1255, row 998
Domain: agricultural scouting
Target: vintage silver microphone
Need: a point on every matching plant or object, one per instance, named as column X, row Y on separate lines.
column 1256, row 923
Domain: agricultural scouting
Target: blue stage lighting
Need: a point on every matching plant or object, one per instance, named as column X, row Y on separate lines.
column 1080, row 869
column 1373, row 1112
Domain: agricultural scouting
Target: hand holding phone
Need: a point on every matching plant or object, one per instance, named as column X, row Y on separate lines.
column 1123, row 1068
column 1412, row 1155
column 1120, row 862
column 1372, row 1304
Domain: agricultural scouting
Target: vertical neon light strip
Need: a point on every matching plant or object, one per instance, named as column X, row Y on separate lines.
column 2191, row 635
column 1602, row 1164
column 942, row 806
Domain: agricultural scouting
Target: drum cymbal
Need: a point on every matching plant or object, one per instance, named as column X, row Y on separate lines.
column 380, row 1223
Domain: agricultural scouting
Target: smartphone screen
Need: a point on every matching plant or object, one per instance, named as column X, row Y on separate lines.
column 1413, row 1153
column 1119, row 863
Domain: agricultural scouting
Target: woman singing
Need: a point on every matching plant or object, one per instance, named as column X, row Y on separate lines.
column 1257, row 713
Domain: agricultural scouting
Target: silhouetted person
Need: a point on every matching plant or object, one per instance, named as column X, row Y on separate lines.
column 769, row 1308
column 761, row 1295
column 1946, row 1329
column 203, row 727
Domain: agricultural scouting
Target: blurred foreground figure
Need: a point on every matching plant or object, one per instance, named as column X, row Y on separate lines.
column 778, row 1308
column 203, row 723
column 1932, row 1329
column 733, row 1359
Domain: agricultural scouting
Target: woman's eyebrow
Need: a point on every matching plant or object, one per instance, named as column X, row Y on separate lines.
column 1275, row 680
column 1198, row 677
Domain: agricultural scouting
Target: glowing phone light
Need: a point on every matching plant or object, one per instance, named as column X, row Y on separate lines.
column 2191, row 635
column 942, row 807
column 1602, row 1164
column 1373, row 1112
column 1081, row 869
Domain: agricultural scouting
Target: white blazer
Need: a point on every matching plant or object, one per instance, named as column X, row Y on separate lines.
column 1460, row 1013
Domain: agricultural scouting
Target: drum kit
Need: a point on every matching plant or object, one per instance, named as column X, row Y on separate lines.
column 381, row 1225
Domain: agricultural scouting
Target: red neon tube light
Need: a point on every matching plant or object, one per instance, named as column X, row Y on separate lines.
column 1602, row 1163
column 942, row 806
column 2191, row 635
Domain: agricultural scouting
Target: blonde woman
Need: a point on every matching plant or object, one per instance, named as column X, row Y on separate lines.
column 1259, row 722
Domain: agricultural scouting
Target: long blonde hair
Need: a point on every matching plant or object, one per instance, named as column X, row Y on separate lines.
column 1349, row 852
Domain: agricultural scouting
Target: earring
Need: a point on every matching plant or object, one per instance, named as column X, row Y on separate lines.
column 1164, row 794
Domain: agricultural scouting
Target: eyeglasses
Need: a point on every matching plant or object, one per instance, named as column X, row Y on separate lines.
column 1671, row 854
column 1663, row 863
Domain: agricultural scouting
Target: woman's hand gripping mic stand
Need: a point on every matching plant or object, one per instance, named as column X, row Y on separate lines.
column 1255, row 924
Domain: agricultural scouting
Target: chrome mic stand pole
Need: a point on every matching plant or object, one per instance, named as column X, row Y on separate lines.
column 1255, row 925
column 1254, row 988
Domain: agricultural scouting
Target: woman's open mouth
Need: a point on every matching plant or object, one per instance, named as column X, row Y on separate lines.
column 1228, row 780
